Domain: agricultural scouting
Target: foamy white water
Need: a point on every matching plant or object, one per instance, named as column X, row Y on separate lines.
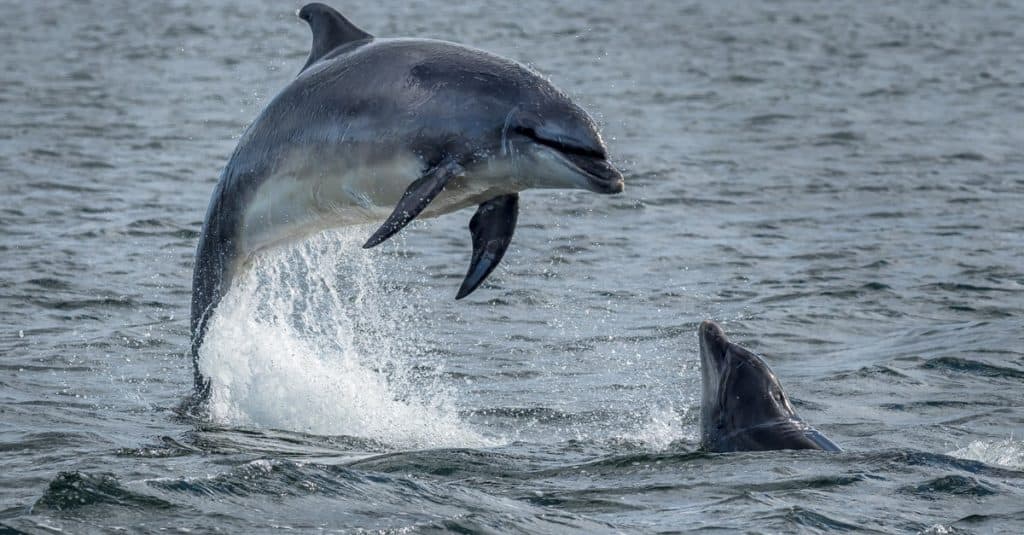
column 661, row 427
column 1008, row 453
column 312, row 338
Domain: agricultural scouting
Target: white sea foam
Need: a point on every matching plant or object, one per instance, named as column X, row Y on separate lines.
column 316, row 338
column 1008, row 453
column 660, row 428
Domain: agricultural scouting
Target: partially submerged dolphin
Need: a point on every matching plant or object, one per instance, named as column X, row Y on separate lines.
column 744, row 407
column 387, row 130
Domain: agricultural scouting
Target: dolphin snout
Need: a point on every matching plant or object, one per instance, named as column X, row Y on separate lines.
column 613, row 181
column 712, row 342
column 602, row 176
column 710, row 330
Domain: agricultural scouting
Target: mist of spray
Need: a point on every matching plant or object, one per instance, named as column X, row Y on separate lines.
column 324, row 337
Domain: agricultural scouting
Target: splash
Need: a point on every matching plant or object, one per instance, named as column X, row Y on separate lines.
column 1008, row 453
column 319, row 338
column 661, row 427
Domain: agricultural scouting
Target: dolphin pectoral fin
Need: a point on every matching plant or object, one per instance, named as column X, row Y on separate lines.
column 416, row 197
column 492, row 227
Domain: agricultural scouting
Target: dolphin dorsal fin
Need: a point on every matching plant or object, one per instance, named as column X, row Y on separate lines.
column 330, row 30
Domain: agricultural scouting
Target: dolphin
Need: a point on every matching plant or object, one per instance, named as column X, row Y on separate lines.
column 744, row 407
column 384, row 130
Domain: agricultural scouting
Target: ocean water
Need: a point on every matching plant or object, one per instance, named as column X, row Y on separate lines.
column 840, row 184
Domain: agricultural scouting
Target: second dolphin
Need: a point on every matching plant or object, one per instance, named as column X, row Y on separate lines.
column 744, row 407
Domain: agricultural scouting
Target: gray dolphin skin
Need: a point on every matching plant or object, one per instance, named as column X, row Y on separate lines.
column 384, row 130
column 744, row 407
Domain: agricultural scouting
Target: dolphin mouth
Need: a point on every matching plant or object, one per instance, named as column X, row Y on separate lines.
column 602, row 176
column 587, row 159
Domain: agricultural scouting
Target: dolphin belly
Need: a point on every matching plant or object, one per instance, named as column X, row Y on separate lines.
column 308, row 194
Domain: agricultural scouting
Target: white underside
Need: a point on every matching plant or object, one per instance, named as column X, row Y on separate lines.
column 305, row 197
column 309, row 194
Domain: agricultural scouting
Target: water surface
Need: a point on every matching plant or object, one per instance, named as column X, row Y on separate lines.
column 841, row 185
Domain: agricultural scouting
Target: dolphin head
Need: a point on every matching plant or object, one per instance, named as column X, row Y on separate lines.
column 511, row 115
column 740, row 392
column 562, row 145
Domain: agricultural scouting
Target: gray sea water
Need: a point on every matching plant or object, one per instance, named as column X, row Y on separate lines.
column 840, row 184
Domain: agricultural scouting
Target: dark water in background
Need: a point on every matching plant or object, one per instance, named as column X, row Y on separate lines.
column 841, row 184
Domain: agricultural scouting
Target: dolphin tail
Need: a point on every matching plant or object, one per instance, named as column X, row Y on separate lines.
column 415, row 199
column 492, row 227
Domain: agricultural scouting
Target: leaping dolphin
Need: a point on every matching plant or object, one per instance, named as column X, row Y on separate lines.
column 744, row 407
column 387, row 130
